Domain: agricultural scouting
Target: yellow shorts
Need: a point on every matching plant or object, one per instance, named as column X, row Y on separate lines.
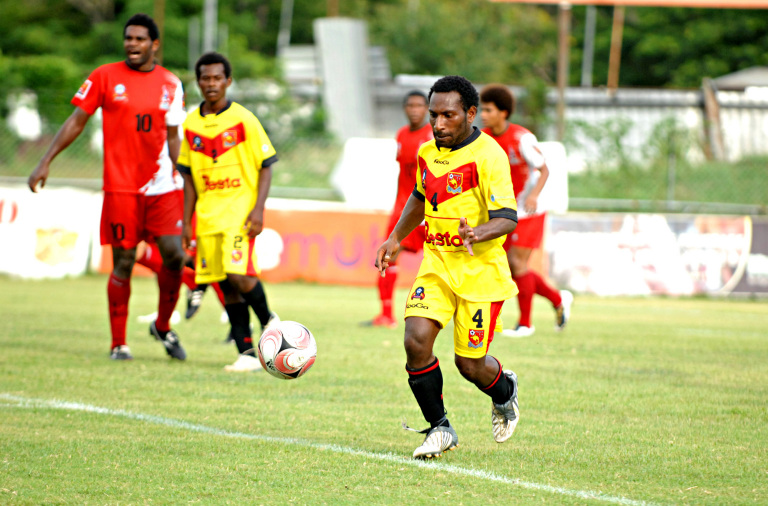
column 474, row 322
column 222, row 254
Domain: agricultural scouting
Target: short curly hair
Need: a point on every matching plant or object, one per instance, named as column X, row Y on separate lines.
column 500, row 96
column 210, row 59
column 147, row 22
column 466, row 89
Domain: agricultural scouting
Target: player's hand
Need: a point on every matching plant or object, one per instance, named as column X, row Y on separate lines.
column 387, row 253
column 254, row 224
column 531, row 204
column 467, row 234
column 39, row 175
column 186, row 236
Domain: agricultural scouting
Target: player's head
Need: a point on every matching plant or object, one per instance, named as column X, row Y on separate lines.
column 497, row 104
column 140, row 41
column 415, row 107
column 214, row 75
column 453, row 102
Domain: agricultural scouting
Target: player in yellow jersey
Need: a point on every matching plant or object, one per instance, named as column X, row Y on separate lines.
column 464, row 194
column 226, row 160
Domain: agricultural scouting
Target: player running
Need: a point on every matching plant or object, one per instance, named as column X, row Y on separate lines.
column 529, row 173
column 409, row 138
column 465, row 195
column 142, row 106
column 226, row 160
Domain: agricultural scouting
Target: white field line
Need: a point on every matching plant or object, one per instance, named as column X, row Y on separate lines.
column 13, row 401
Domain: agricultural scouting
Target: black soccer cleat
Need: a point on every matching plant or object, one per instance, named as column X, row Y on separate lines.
column 170, row 340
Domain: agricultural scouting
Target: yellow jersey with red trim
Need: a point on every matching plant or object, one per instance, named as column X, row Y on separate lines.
column 470, row 180
column 224, row 153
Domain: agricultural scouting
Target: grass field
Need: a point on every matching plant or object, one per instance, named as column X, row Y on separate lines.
column 639, row 401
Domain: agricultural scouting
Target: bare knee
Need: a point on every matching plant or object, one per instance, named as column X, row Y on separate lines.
column 420, row 334
column 171, row 251
column 123, row 260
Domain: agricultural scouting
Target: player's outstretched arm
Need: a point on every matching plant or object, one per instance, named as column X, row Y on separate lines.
column 412, row 216
column 68, row 132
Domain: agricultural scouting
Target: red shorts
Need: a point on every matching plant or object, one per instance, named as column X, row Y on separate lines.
column 528, row 234
column 129, row 218
column 414, row 241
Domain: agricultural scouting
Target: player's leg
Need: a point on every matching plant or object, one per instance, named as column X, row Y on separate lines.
column 118, row 295
column 386, row 283
column 474, row 327
column 119, row 229
column 429, row 307
column 240, row 329
column 526, row 284
column 252, row 291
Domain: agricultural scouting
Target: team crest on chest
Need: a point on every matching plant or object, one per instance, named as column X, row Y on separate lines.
column 165, row 99
column 197, row 143
column 454, row 182
column 229, row 138
column 119, row 93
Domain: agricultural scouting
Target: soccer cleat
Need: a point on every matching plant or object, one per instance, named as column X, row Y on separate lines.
column 244, row 363
column 381, row 321
column 563, row 311
column 439, row 439
column 519, row 331
column 194, row 300
column 170, row 340
column 121, row 353
column 504, row 417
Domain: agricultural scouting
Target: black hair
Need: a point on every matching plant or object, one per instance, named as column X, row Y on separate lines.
column 500, row 96
column 210, row 59
column 415, row 93
column 469, row 96
column 145, row 21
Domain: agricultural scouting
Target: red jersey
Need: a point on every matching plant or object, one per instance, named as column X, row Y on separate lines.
column 408, row 143
column 518, row 143
column 136, row 108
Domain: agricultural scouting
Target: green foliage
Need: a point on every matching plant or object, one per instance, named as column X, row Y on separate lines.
column 674, row 47
column 436, row 37
column 643, row 400
column 53, row 80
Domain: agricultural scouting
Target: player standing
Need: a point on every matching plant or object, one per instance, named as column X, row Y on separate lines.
column 142, row 105
column 409, row 138
column 226, row 159
column 465, row 196
column 529, row 173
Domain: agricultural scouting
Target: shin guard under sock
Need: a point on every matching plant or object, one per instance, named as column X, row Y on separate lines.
column 240, row 320
column 118, row 294
column 427, row 387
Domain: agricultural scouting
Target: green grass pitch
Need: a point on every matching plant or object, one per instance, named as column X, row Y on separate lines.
column 638, row 401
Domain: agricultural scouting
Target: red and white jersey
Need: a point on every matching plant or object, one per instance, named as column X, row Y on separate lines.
column 408, row 143
column 524, row 153
column 136, row 109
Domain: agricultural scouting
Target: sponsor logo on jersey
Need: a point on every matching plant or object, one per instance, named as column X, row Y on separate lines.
column 229, row 138
column 441, row 162
column 237, row 257
column 418, row 294
column 82, row 92
column 442, row 239
column 220, row 184
column 165, row 99
column 454, row 182
column 418, row 305
column 476, row 338
column 197, row 143
column 119, row 93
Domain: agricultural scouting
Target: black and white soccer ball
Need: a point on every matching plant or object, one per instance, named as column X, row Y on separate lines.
column 287, row 349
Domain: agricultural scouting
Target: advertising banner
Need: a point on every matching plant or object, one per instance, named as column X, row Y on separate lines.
column 643, row 254
column 46, row 234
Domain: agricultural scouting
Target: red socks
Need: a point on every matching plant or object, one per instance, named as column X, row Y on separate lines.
column 526, row 284
column 387, row 290
column 169, row 283
column 545, row 290
column 118, row 293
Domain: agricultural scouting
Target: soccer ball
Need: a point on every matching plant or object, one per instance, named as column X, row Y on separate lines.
column 287, row 349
